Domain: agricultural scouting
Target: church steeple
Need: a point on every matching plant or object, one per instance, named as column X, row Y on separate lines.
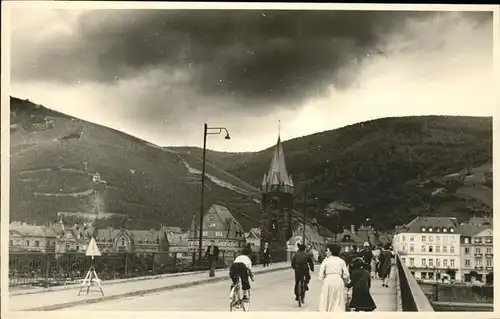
column 277, row 178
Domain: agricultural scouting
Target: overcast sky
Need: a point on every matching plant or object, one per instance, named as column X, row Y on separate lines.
column 160, row 74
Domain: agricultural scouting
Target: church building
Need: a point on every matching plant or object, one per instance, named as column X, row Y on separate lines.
column 277, row 205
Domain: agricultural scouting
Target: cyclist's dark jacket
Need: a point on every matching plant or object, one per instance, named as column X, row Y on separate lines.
column 302, row 261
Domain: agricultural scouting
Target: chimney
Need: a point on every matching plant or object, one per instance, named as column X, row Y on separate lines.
column 353, row 229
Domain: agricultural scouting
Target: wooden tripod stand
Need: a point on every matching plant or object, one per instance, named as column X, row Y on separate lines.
column 91, row 275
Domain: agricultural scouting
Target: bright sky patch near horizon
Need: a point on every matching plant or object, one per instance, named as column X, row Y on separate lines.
column 160, row 74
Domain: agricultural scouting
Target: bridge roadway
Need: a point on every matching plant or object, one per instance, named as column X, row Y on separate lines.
column 270, row 292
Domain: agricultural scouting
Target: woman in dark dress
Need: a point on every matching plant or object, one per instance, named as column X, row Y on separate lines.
column 385, row 260
column 360, row 283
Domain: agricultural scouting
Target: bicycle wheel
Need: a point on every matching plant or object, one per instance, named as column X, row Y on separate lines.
column 303, row 291
column 299, row 294
column 246, row 304
column 233, row 297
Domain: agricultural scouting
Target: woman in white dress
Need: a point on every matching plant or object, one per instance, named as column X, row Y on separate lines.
column 333, row 271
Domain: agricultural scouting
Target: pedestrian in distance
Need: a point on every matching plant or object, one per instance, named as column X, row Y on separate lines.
column 266, row 255
column 212, row 255
column 386, row 261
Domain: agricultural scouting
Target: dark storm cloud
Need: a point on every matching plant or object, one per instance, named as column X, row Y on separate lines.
column 271, row 56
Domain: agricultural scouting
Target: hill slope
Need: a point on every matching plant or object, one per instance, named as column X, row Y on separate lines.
column 374, row 166
column 54, row 157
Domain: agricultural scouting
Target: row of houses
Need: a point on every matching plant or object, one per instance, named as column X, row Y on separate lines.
column 434, row 247
column 219, row 226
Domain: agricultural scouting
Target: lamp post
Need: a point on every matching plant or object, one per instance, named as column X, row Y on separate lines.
column 206, row 131
column 306, row 188
column 304, row 217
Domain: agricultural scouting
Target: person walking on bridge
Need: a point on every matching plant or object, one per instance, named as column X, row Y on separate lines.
column 335, row 275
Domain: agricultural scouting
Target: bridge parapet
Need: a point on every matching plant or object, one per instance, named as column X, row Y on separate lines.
column 410, row 297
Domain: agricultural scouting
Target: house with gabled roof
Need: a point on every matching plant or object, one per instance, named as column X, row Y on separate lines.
column 220, row 226
column 253, row 238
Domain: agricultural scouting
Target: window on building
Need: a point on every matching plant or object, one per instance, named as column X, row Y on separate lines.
column 423, row 238
column 452, row 230
column 27, row 243
column 438, row 249
column 37, row 243
column 430, row 229
column 412, row 248
column 438, row 262
column 412, row 238
column 489, row 262
column 77, row 247
column 218, row 233
column 431, row 262
column 423, row 275
column 412, row 262
column 467, row 250
column 478, row 262
column 452, row 239
column 452, row 249
column 467, row 262
column 430, row 249
column 423, row 249
column 66, row 247
column 445, row 230
column 403, row 238
column 445, row 239
column 489, row 251
column 478, row 250
column 431, row 238
column 431, row 275
column 11, row 242
column 452, row 263
column 445, row 249
column 403, row 260
column 424, row 262
column 466, row 240
column 205, row 233
column 437, row 238
column 445, row 263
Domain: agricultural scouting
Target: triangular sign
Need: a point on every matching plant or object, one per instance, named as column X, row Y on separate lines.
column 92, row 249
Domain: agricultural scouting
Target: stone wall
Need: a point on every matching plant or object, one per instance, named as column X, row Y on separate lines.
column 457, row 293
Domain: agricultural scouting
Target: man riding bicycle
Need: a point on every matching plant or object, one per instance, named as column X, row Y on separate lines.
column 242, row 268
column 301, row 262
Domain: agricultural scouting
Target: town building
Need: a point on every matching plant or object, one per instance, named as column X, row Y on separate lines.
column 253, row 238
column 476, row 247
column 430, row 248
column 347, row 239
column 178, row 241
column 31, row 238
column 124, row 240
column 72, row 239
column 220, row 226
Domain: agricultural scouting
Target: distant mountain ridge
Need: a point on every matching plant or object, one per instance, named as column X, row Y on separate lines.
column 373, row 167
column 367, row 170
column 54, row 157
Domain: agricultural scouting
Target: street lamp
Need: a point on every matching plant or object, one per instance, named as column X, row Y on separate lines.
column 206, row 131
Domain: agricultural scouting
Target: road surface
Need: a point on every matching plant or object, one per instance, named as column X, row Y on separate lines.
column 270, row 292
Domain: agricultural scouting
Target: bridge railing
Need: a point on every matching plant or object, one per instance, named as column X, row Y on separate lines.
column 410, row 296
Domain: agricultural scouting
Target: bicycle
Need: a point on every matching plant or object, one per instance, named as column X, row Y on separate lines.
column 301, row 291
column 236, row 297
